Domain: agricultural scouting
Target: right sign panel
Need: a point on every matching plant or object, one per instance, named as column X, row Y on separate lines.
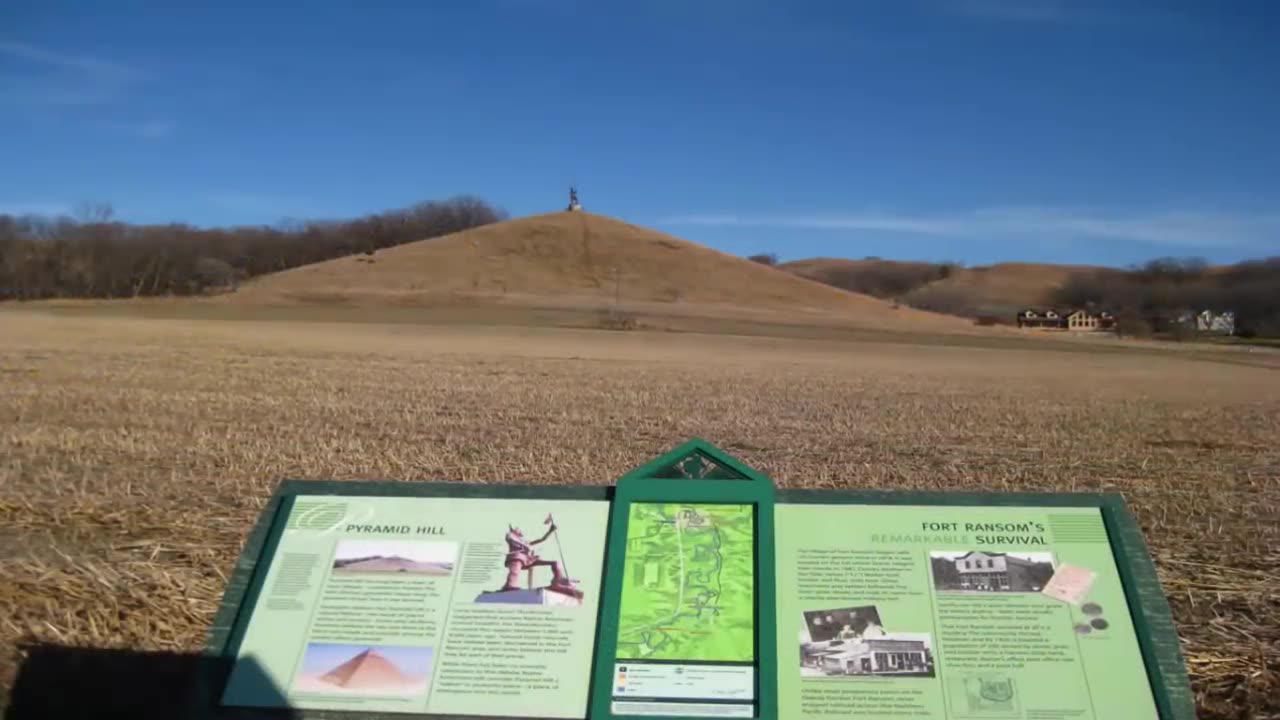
column 953, row 612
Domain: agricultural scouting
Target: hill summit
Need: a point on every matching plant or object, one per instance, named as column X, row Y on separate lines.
column 571, row 259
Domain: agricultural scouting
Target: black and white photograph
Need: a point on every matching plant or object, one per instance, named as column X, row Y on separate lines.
column 853, row 642
column 986, row 571
column 356, row 557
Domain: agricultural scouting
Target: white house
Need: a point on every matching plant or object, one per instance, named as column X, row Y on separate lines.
column 877, row 655
column 995, row 571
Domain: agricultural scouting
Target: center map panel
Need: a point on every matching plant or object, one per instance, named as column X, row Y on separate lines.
column 686, row 633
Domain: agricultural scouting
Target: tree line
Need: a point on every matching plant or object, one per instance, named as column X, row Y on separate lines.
column 888, row 279
column 1151, row 298
column 90, row 254
column 1147, row 299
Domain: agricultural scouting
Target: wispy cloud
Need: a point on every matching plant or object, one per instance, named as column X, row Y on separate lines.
column 239, row 200
column 44, row 77
column 1172, row 229
column 1065, row 12
column 79, row 63
column 887, row 223
column 257, row 205
column 35, row 208
column 154, row 129
column 1019, row 10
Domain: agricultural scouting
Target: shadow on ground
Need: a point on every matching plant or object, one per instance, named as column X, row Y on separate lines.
column 56, row 681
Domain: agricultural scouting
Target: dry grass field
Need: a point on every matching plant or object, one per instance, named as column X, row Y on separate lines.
column 136, row 452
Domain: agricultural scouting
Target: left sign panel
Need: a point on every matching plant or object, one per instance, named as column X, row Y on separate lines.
column 466, row 606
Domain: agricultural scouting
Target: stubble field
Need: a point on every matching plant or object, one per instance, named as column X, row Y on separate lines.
column 136, row 453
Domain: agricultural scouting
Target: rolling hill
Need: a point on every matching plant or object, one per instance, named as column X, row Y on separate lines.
column 872, row 276
column 999, row 290
column 578, row 260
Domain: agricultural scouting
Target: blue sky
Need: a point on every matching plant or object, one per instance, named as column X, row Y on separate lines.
column 967, row 130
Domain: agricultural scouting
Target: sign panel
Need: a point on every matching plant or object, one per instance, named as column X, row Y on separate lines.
column 475, row 606
column 686, row 625
column 686, row 628
column 954, row 612
column 690, row 590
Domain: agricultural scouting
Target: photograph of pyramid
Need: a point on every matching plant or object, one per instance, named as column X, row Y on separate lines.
column 395, row 556
column 364, row 669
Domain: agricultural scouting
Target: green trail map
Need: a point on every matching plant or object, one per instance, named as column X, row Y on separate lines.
column 688, row 587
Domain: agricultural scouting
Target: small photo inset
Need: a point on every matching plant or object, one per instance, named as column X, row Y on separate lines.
column 983, row 695
column 852, row 642
column 364, row 669
column 985, row 571
column 842, row 623
column 394, row 556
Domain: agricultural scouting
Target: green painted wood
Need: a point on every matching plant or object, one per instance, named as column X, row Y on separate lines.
column 1152, row 617
column 668, row 479
column 696, row 459
column 233, row 612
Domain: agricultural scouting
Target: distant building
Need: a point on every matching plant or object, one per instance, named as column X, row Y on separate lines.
column 1076, row 320
column 1205, row 322
column 1084, row 321
column 1040, row 319
column 1218, row 323
column 996, row 572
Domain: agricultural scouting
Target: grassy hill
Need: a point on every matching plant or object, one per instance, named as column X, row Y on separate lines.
column 577, row 260
column 890, row 279
column 997, row 290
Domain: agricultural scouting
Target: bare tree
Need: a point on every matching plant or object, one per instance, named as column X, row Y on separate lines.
column 212, row 272
column 90, row 255
column 93, row 212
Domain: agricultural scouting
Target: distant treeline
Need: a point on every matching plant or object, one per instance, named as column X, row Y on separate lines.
column 1147, row 299
column 907, row 282
column 1150, row 298
column 91, row 255
column 891, row 279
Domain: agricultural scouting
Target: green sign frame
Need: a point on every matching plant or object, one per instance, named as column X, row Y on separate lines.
column 693, row 472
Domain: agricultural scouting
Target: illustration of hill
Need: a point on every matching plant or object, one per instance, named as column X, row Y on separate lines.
column 398, row 670
column 577, row 259
column 392, row 563
column 367, row 670
column 354, row 556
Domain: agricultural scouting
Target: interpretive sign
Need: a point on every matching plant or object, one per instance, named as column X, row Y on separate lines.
column 955, row 612
column 682, row 631
column 427, row 605
column 693, row 589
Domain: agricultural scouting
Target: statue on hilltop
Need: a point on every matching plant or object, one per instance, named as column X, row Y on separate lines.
column 574, row 205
